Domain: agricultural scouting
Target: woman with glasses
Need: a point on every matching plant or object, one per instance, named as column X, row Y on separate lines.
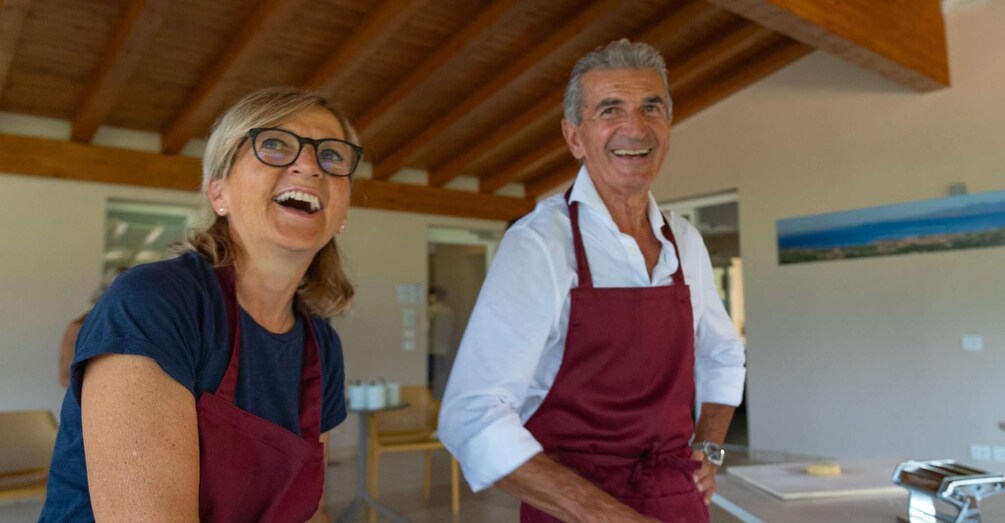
column 204, row 387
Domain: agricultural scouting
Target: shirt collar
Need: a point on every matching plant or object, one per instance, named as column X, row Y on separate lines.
column 585, row 192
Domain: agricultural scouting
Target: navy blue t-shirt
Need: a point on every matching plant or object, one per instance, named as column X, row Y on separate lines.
column 173, row 312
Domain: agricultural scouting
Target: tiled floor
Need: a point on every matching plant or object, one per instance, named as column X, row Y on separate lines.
column 400, row 489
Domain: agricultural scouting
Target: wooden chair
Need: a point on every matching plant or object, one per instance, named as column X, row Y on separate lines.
column 26, row 442
column 406, row 430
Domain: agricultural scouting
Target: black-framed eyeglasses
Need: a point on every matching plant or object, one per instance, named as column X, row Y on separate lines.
column 279, row 148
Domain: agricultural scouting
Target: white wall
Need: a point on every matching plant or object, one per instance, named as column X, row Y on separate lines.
column 385, row 249
column 862, row 357
column 52, row 236
column 52, row 239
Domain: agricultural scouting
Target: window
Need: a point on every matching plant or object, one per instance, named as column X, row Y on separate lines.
column 141, row 232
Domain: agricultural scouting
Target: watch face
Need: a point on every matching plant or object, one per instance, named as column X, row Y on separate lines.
column 716, row 459
column 714, row 453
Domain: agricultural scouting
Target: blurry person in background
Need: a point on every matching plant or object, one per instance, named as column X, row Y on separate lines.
column 66, row 349
column 203, row 387
column 66, row 346
column 441, row 339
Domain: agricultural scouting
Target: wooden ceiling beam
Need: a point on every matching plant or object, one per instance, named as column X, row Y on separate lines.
column 373, row 32
column 122, row 57
column 548, row 181
column 699, row 97
column 91, row 163
column 668, row 29
column 537, row 158
column 710, row 57
column 12, row 16
column 559, row 40
column 382, row 113
column 375, row 194
column 207, row 98
column 550, row 108
column 904, row 40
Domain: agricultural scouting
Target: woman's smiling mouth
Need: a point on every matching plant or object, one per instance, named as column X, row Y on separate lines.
column 298, row 200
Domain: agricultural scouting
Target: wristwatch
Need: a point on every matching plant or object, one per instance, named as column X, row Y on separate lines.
column 713, row 452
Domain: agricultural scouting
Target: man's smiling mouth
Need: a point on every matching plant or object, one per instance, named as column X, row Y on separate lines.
column 631, row 153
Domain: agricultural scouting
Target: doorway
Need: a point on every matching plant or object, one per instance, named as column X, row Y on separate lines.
column 458, row 262
column 717, row 218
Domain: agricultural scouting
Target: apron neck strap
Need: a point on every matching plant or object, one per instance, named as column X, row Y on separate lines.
column 225, row 275
column 310, row 375
column 583, row 266
column 678, row 275
column 310, row 385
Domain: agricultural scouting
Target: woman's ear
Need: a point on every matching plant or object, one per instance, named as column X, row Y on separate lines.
column 217, row 196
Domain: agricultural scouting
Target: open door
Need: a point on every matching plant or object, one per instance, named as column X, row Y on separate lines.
column 458, row 262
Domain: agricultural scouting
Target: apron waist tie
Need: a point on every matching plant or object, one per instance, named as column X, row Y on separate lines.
column 650, row 458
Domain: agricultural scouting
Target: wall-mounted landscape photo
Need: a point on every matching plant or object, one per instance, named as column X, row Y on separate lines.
column 957, row 222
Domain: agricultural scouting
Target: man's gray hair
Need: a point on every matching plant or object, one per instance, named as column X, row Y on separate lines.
column 619, row 54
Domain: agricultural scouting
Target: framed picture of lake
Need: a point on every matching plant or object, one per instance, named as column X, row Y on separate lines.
column 957, row 222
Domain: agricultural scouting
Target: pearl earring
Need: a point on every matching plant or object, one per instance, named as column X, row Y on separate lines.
column 341, row 228
column 223, row 212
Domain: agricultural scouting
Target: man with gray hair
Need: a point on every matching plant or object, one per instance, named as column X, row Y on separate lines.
column 599, row 329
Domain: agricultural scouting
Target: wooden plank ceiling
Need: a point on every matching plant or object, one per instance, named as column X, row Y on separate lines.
column 459, row 89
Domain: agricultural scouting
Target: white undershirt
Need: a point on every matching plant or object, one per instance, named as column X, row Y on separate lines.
column 515, row 338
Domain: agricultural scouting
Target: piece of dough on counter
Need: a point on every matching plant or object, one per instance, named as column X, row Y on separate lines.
column 824, row 468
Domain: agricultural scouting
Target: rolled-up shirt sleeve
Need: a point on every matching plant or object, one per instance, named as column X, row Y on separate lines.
column 719, row 370
column 518, row 306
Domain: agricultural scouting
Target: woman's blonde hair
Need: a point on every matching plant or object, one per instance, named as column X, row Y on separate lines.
column 325, row 289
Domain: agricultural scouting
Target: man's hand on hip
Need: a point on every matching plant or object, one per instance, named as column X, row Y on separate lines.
column 704, row 478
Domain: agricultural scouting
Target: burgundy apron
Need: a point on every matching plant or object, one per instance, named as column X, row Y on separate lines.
column 250, row 468
column 619, row 412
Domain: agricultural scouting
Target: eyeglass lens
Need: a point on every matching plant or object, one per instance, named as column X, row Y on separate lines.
column 280, row 148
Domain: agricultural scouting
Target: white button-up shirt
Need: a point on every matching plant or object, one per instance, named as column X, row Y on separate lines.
column 515, row 338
